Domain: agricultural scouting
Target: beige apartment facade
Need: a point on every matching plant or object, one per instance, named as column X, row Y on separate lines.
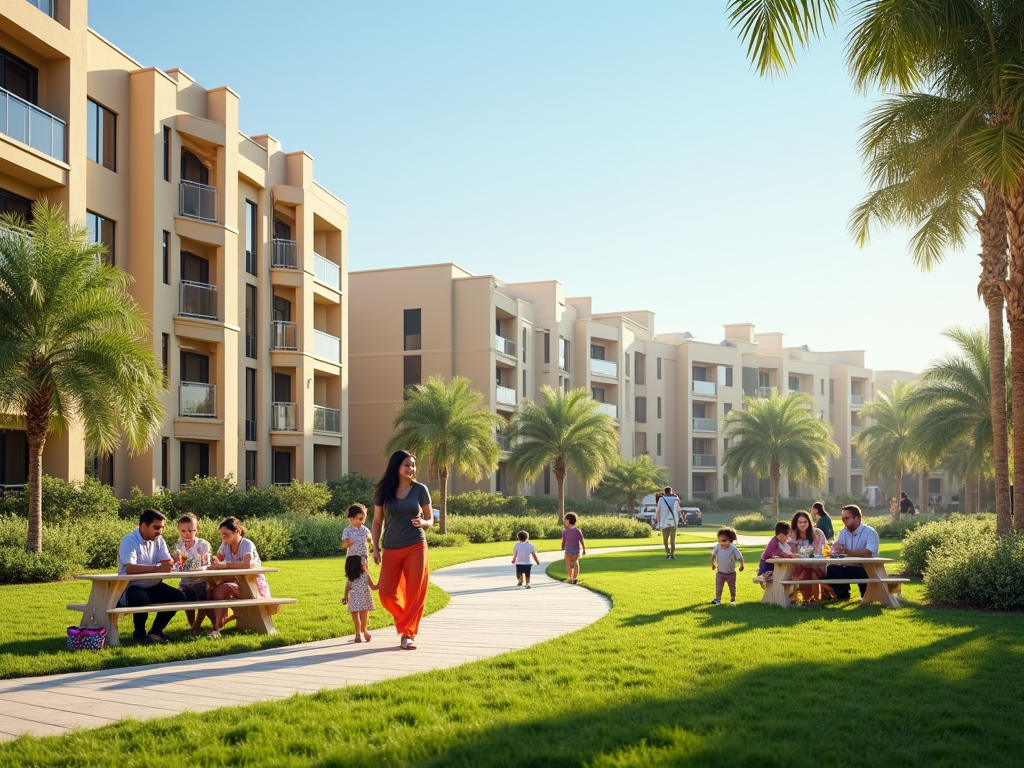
column 238, row 257
column 669, row 393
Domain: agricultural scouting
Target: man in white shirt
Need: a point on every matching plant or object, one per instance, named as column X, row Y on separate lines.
column 145, row 551
column 667, row 515
column 855, row 540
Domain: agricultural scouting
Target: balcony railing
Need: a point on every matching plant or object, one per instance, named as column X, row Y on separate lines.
column 49, row 7
column 764, row 392
column 282, row 416
column 326, row 420
column 197, row 300
column 705, row 460
column 704, row 388
column 856, row 399
column 197, row 400
column 197, row 201
column 504, row 443
column 250, row 430
column 33, row 126
column 504, row 395
column 703, row 495
column 286, row 254
column 608, row 408
column 326, row 272
column 326, row 346
column 505, row 346
column 705, row 425
column 604, row 367
column 283, row 335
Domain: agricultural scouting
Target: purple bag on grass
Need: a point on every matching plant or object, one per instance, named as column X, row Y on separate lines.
column 86, row 638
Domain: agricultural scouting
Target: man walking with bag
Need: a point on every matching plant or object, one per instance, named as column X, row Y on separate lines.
column 668, row 519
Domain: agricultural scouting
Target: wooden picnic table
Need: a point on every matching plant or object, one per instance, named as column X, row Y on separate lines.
column 878, row 582
column 252, row 612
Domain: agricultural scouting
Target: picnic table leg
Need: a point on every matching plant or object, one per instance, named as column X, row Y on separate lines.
column 775, row 590
column 102, row 597
column 878, row 592
column 255, row 618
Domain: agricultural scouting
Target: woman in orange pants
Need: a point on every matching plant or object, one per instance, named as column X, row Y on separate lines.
column 401, row 513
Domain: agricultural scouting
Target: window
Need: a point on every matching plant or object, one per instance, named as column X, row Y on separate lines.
column 101, row 230
column 250, row 321
column 831, row 482
column 763, row 379
column 250, row 404
column 563, row 354
column 725, row 483
column 165, row 343
column 597, row 393
column 726, row 408
column 596, row 352
column 194, row 367
column 101, row 146
column 195, row 268
column 725, row 375
column 641, row 368
column 251, row 222
column 165, row 462
column 283, row 467
column 167, row 153
column 15, row 204
column 250, row 469
column 700, row 373
column 524, row 382
column 195, row 461
column 524, row 356
column 413, row 330
column 794, row 384
column 640, row 408
column 547, row 480
column 935, row 485
column 193, row 169
column 659, row 444
column 659, row 407
column 626, row 366
column 565, row 385
column 18, row 76
column 658, row 366
column 413, row 372
column 167, row 258
column 547, row 347
column 831, row 391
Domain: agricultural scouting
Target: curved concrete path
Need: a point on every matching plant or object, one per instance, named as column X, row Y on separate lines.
column 485, row 602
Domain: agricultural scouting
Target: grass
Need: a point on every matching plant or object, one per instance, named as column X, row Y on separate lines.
column 36, row 643
column 664, row 679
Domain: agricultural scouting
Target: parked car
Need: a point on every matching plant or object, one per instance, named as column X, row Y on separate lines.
column 646, row 512
column 693, row 516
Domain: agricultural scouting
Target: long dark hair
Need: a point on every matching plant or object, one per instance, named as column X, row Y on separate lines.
column 388, row 484
column 810, row 525
column 353, row 567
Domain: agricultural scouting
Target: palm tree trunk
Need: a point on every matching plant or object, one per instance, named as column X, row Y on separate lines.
column 922, row 490
column 774, row 472
column 560, row 479
column 442, row 474
column 992, row 225
column 899, row 486
column 37, row 426
column 1015, row 316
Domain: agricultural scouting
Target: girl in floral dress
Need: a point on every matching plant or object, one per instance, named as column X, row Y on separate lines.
column 358, row 583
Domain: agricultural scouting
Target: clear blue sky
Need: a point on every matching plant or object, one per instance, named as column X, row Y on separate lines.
column 625, row 149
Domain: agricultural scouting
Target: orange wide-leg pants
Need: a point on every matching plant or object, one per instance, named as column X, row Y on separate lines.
column 404, row 574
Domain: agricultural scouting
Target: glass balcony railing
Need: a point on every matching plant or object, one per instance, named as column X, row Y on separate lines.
column 33, row 126
column 197, row 400
column 856, row 399
column 705, row 460
column 197, row 300
column 283, row 335
column 604, row 367
column 49, row 7
column 283, row 416
column 505, row 346
column 327, row 347
column 197, row 201
column 326, row 420
column 608, row 408
column 504, row 395
column 764, row 392
column 704, row 387
column 705, row 425
column 327, row 272
column 286, row 254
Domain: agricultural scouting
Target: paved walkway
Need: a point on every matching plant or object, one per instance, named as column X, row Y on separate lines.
column 474, row 625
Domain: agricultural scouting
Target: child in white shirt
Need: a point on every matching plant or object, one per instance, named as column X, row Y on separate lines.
column 724, row 557
column 521, row 554
column 198, row 551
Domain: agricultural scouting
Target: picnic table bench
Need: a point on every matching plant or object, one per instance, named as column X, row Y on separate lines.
column 879, row 589
column 253, row 613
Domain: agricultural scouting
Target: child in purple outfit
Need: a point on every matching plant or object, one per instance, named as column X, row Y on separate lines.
column 777, row 547
column 573, row 545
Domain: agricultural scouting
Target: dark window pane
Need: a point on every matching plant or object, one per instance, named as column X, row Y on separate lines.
column 195, row 461
column 101, row 135
column 412, row 329
column 167, row 258
column 251, row 222
column 413, row 373
column 167, row 153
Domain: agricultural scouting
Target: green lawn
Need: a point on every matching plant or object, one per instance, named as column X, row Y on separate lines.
column 664, row 679
column 36, row 643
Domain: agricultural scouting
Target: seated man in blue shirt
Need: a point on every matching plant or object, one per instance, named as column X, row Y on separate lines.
column 855, row 540
column 143, row 551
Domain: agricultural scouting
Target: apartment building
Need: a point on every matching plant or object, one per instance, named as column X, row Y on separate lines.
column 238, row 255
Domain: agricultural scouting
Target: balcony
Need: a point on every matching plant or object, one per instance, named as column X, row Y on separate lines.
column 282, row 416
column 504, row 395
column 706, row 460
column 704, row 388
column 504, row 443
column 327, row 272
column 49, row 7
column 197, row 400
column 609, row 409
column 197, row 300
column 286, row 254
column 33, row 126
column 250, row 430
column 197, row 201
column 763, row 392
column 856, row 463
column 856, row 399
column 505, row 346
column 327, row 347
column 326, row 420
column 283, row 335
column 604, row 368
column 705, row 425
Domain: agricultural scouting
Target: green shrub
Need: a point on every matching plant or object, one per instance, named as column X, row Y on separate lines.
column 736, row 504
column 838, row 501
column 303, row 498
column 978, row 571
column 207, row 497
column 480, row 529
column 63, row 500
column 889, row 527
column 920, row 542
column 480, row 503
column 613, row 528
column 98, row 537
column 752, row 522
column 271, row 535
column 446, row 540
column 548, row 505
column 353, row 488
column 314, row 535
column 258, row 503
column 132, row 507
column 61, row 557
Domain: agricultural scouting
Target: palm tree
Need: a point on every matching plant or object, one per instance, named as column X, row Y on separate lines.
column 566, row 430
column 628, row 479
column 73, row 345
column 888, row 446
column 445, row 425
column 954, row 399
column 775, row 435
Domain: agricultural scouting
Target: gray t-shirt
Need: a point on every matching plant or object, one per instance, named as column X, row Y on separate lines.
column 398, row 516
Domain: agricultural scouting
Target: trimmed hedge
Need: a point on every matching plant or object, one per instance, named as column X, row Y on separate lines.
column 480, row 529
column 445, row 540
column 478, row 503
